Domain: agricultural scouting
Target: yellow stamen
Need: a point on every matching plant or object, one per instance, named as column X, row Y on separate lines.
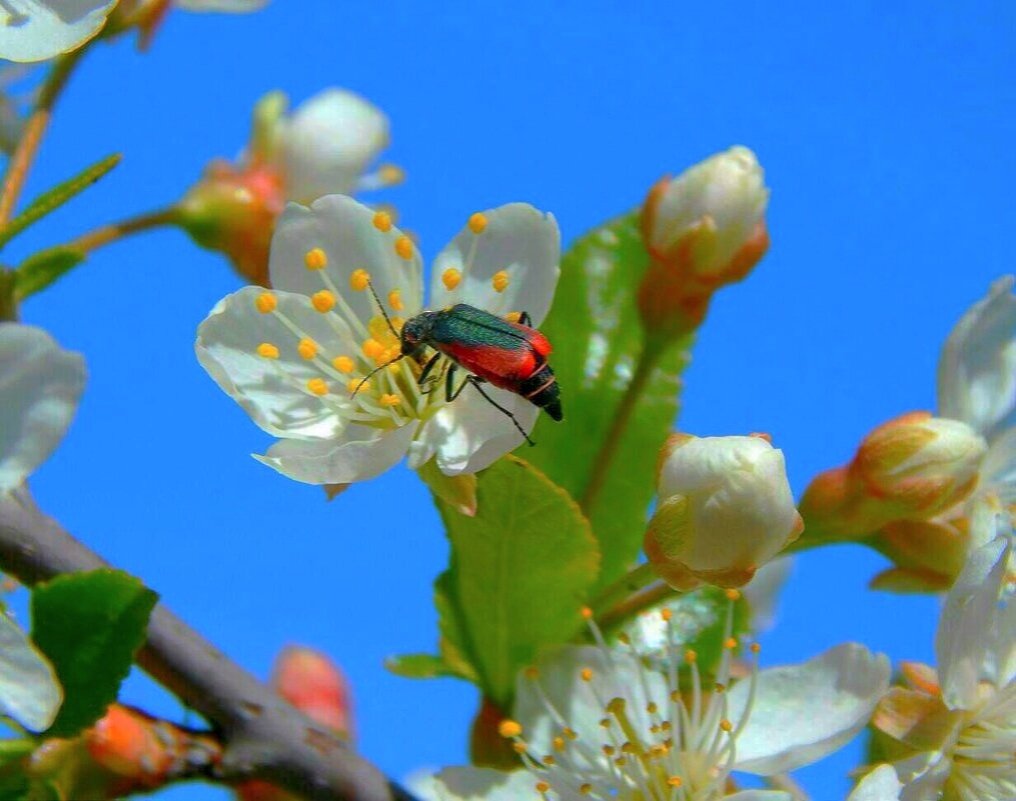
column 307, row 348
column 395, row 300
column 404, row 247
column 323, row 301
column 569, row 733
column 500, row 281
column 666, row 614
column 651, row 708
column 549, row 760
column 542, row 787
column 558, row 743
column 318, row 386
column 477, row 223
column 268, row 351
column 372, row 349
column 513, row 317
column 265, row 302
column 690, row 656
column 674, row 781
column 726, row 725
column 586, row 674
column 531, row 673
column 391, row 174
column 383, row 221
column 343, row 364
column 755, row 647
column 587, row 613
column 732, row 595
column 585, row 789
column 519, row 747
column 358, row 383
column 394, row 368
column 509, row 728
column 315, row 259
column 359, row 280
column 451, row 278
column 390, row 400
column 730, row 643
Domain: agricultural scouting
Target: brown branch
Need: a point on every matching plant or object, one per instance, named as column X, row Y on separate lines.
column 264, row 737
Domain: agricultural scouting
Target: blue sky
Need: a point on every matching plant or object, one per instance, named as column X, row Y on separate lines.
column 886, row 138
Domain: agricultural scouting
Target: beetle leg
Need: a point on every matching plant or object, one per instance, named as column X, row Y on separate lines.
column 450, row 393
column 476, row 381
column 427, row 368
column 525, row 319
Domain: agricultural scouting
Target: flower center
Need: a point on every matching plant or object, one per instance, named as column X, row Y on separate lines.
column 984, row 756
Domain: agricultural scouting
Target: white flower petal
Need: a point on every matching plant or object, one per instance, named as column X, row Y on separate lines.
column 977, row 369
column 578, row 702
column 998, row 469
column 519, row 240
column 803, row 712
column 40, row 386
column 763, row 591
column 966, row 636
column 923, row 776
column 360, row 453
column 232, row 6
column 29, row 691
column 344, row 229
column 274, row 391
column 328, row 142
column 36, row 30
column 477, row 784
column 881, row 784
column 469, row 434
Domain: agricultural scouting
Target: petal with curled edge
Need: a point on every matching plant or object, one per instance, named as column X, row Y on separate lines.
column 36, row 30
column 518, row 239
column 40, row 387
column 29, row 691
column 345, row 231
column 274, row 391
column 882, row 784
column 475, row 784
column 803, row 712
column 359, row 454
column 328, row 142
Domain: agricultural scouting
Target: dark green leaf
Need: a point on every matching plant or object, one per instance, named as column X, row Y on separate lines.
column 597, row 336
column 89, row 625
column 520, row 572
column 41, row 269
column 54, row 198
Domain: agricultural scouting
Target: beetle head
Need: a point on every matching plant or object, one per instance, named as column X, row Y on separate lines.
column 416, row 332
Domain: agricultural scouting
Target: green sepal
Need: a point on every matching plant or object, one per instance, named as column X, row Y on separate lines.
column 41, row 269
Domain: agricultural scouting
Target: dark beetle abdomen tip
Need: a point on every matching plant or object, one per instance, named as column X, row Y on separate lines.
column 554, row 410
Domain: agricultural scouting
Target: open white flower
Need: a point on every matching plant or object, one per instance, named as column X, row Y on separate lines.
column 29, row 690
column 293, row 357
column 959, row 728
column 40, row 386
column 601, row 723
column 36, row 30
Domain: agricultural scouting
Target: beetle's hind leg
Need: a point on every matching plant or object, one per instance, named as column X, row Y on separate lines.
column 476, row 381
column 426, row 377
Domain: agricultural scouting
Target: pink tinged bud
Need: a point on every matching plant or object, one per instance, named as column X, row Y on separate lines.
column 725, row 509
column 311, row 682
column 125, row 742
column 918, row 466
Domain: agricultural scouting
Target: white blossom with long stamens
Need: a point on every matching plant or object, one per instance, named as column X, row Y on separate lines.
column 601, row 722
column 295, row 357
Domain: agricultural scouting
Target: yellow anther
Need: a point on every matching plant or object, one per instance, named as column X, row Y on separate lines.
column 627, row 748
column 390, row 400
column 519, row 747
column 674, row 781
column 265, row 302
column 608, row 750
column 451, row 278
column 359, row 279
column 675, row 695
column 624, row 639
column 665, row 726
column 658, row 751
column 357, row 383
column 404, row 247
column 726, row 725
column 585, row 789
column 542, row 787
column 549, row 759
column 732, row 594
column 558, row 743
column 690, row 656
column 586, row 674
column 730, row 643
column 318, row 386
column 343, row 364
column 621, row 761
column 719, row 688
column 395, row 300
column 391, row 174
column 654, row 729
column 383, row 221
column 531, row 673
column 513, row 317
column 587, row 613
column 569, row 733
column 477, row 223
column 499, row 281
column 666, row 614
column 372, row 349
column 755, row 647
column 651, row 708
column 509, row 728
column 394, row 367
column 268, row 351
column 307, row 348
column 605, row 722
column 323, row 301
column 315, row 259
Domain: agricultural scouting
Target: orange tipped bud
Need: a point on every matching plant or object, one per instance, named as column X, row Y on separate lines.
column 312, row 683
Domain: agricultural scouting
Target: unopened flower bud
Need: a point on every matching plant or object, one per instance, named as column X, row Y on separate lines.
column 125, row 743
column 725, row 509
column 312, row 683
column 703, row 229
column 919, row 465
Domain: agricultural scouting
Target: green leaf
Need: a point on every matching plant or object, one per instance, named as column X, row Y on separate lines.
column 418, row 666
column 520, row 571
column 54, row 198
column 41, row 269
column 597, row 335
column 89, row 625
column 29, row 692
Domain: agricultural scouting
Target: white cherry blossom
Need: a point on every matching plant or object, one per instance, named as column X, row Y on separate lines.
column 37, row 30
column 295, row 357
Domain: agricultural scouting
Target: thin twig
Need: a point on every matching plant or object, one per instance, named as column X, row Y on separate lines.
column 264, row 737
column 105, row 234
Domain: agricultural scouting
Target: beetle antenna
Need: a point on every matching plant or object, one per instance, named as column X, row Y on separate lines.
column 373, row 372
column 388, row 320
